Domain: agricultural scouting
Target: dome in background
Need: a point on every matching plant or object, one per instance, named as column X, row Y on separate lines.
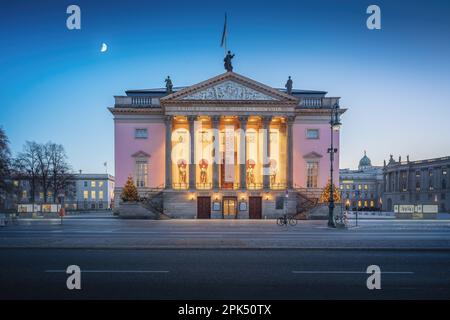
column 364, row 162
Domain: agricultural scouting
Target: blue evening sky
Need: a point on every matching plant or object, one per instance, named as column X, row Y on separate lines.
column 56, row 85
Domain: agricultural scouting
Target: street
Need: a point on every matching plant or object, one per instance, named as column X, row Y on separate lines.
column 189, row 259
column 223, row 274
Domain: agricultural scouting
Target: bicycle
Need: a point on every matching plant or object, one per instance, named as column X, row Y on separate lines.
column 285, row 220
column 341, row 219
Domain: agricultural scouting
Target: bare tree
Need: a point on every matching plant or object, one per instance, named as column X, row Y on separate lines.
column 43, row 157
column 5, row 161
column 59, row 169
column 44, row 166
column 27, row 165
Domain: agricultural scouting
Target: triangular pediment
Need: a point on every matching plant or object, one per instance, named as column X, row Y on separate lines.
column 140, row 154
column 312, row 155
column 230, row 86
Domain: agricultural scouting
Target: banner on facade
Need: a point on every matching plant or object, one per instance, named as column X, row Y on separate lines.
column 229, row 153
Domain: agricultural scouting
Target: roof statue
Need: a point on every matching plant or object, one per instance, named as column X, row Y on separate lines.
column 288, row 85
column 227, row 62
column 169, row 85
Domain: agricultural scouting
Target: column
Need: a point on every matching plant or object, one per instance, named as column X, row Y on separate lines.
column 290, row 152
column 168, row 122
column 216, row 156
column 192, row 168
column 243, row 153
column 266, row 151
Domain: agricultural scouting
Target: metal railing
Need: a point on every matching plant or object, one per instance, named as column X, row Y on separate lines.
column 180, row 186
column 278, row 186
column 203, row 186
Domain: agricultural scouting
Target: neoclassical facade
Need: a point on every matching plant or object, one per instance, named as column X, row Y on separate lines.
column 362, row 189
column 228, row 147
column 417, row 187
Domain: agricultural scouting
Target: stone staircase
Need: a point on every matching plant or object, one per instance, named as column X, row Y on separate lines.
column 153, row 201
column 307, row 199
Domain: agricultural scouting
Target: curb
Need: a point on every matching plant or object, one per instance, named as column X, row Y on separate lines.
column 14, row 247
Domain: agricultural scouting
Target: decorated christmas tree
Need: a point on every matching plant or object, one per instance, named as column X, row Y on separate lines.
column 129, row 192
column 325, row 196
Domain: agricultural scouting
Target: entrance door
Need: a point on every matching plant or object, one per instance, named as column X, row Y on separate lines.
column 229, row 206
column 255, row 207
column 203, row 207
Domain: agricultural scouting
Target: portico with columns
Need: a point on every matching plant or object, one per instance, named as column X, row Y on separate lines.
column 228, row 143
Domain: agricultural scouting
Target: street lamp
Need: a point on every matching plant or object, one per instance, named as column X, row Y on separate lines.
column 334, row 126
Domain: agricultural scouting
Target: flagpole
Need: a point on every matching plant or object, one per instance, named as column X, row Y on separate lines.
column 225, row 34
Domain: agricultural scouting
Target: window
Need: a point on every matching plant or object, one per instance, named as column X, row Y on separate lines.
column 312, row 171
column 100, row 195
column 279, row 203
column 359, row 203
column 100, row 184
column 141, row 173
column 140, row 133
column 85, row 195
column 92, row 184
column 92, row 195
column 41, row 195
column 347, row 187
column 372, row 204
column 365, row 187
column 16, row 183
column 24, row 194
column 359, row 187
column 365, row 203
column 312, row 133
column 85, row 184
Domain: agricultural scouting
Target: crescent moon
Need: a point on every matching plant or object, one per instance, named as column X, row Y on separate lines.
column 104, row 47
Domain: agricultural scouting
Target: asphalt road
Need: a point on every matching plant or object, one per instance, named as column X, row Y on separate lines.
column 115, row 233
column 223, row 274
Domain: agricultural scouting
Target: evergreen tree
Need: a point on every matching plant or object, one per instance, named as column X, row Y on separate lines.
column 129, row 192
column 325, row 196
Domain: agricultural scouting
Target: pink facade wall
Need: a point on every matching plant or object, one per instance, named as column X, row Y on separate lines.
column 126, row 145
column 303, row 146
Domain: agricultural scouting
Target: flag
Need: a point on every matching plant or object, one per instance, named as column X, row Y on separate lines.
column 224, row 33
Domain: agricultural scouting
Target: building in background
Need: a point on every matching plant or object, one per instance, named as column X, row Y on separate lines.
column 94, row 191
column 83, row 192
column 418, row 186
column 204, row 146
column 361, row 189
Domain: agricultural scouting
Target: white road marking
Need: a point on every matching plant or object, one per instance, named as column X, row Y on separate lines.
column 349, row 272
column 111, row 271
